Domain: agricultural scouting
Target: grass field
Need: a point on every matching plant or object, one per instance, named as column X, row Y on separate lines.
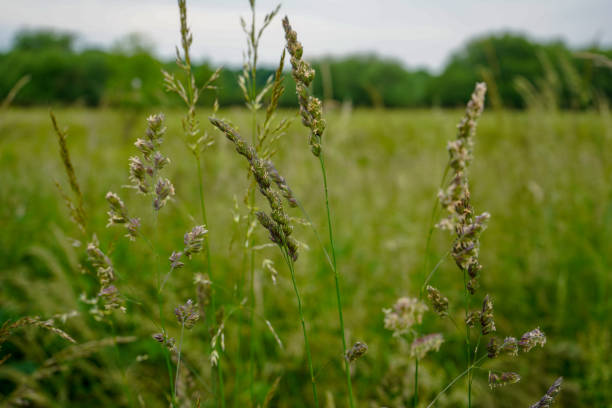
column 546, row 179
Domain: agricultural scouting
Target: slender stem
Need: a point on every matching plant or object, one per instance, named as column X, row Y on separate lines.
column 161, row 287
column 207, row 253
column 252, row 322
column 467, row 338
column 178, row 362
column 159, row 302
column 438, row 264
column 220, row 374
column 347, row 366
column 432, row 217
column 430, row 232
column 252, row 253
column 468, row 370
column 206, row 243
column 301, row 313
column 316, row 232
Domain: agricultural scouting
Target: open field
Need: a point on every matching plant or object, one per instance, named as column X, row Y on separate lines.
column 545, row 177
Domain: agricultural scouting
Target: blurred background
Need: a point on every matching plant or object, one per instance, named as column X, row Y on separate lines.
column 394, row 77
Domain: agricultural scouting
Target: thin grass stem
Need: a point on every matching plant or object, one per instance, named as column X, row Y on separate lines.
column 178, row 361
column 207, row 253
column 301, row 313
column 449, row 385
column 337, row 282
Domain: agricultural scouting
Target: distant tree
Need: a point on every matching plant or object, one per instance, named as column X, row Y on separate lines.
column 36, row 40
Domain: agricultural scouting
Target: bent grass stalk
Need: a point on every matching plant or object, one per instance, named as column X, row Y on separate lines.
column 277, row 223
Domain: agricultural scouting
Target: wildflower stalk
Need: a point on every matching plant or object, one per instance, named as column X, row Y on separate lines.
column 347, row 367
column 311, row 113
column 428, row 277
column 301, row 313
column 467, row 339
column 160, row 307
column 253, row 98
column 277, row 222
column 196, row 140
column 253, row 94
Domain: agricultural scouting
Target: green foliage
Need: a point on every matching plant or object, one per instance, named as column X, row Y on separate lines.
column 544, row 177
column 129, row 75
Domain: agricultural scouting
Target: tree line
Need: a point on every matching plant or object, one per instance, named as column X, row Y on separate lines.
column 519, row 72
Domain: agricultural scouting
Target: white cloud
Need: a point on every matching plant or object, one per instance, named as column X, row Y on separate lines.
column 417, row 33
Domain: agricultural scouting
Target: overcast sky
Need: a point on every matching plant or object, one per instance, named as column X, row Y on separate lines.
column 419, row 33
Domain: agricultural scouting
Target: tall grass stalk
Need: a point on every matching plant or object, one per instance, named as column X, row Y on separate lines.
column 428, row 275
column 197, row 142
column 347, row 366
column 311, row 113
column 253, row 99
column 304, row 331
column 277, row 222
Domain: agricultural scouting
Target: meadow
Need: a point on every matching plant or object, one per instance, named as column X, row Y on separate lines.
column 544, row 176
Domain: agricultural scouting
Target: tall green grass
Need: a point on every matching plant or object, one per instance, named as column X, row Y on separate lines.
column 544, row 177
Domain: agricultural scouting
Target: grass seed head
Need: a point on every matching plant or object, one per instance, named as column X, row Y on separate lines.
column 547, row 400
column 277, row 222
column 355, row 352
column 438, row 302
column 455, row 198
column 499, row 380
column 311, row 109
column 405, row 313
column 531, row 339
column 486, row 316
column 187, row 314
column 423, row 345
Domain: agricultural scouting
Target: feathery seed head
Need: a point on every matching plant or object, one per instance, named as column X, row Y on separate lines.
column 138, row 175
column 145, row 147
column 175, row 260
column 187, row 314
column 111, row 298
column 155, row 129
column 281, row 183
column 510, row 346
column 547, row 400
column 159, row 161
column 486, row 316
column 310, row 107
column 493, row 347
column 438, row 302
column 117, row 213
column 403, row 315
column 531, row 339
column 102, row 263
column 164, row 340
column 277, row 223
column 499, row 380
column 106, row 275
column 471, row 318
column 355, row 352
column 193, row 240
column 455, row 198
column 272, row 227
column 423, row 345
column 163, row 191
